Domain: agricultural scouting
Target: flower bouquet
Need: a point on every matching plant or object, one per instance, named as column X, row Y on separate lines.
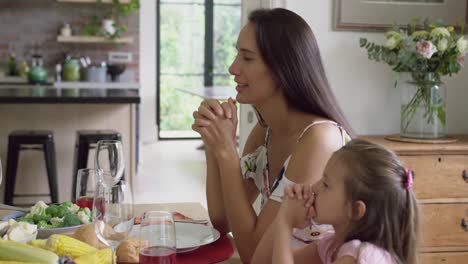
column 423, row 56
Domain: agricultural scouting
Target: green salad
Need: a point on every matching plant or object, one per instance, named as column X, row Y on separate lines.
column 57, row 215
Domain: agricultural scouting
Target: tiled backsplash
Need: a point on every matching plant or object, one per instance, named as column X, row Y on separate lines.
column 26, row 22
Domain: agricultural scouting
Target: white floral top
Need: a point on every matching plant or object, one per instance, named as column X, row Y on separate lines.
column 255, row 166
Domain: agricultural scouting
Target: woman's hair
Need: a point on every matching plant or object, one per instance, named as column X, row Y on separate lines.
column 376, row 176
column 289, row 49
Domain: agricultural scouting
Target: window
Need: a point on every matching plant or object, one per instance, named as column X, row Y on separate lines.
column 196, row 41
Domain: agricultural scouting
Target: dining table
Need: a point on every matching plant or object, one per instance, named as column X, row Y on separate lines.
column 190, row 209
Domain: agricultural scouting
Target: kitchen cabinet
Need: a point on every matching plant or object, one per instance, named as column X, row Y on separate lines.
column 441, row 186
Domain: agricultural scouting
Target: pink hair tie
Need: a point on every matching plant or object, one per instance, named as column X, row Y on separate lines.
column 409, row 178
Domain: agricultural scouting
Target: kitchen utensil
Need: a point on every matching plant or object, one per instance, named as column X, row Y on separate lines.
column 37, row 74
column 115, row 70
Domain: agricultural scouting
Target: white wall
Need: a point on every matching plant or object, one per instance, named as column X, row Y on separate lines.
column 148, row 131
column 365, row 88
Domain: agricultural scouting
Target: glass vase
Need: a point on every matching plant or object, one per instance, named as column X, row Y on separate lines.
column 423, row 106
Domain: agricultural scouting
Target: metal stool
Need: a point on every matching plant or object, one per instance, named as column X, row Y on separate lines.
column 16, row 140
column 86, row 140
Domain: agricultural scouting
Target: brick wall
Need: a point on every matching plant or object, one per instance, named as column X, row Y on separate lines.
column 25, row 22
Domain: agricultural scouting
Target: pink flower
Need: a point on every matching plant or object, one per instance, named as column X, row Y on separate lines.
column 461, row 61
column 426, row 48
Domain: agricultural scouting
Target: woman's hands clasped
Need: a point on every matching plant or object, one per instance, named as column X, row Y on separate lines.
column 217, row 124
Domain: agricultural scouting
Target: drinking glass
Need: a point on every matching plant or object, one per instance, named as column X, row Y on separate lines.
column 109, row 161
column 158, row 228
column 85, row 185
column 113, row 213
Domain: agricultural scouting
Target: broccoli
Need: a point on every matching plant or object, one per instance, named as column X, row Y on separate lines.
column 71, row 220
column 41, row 217
column 42, row 224
column 67, row 204
column 26, row 220
column 62, row 211
column 52, row 210
column 56, row 222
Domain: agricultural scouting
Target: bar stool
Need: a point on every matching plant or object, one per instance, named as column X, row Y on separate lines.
column 16, row 141
column 86, row 140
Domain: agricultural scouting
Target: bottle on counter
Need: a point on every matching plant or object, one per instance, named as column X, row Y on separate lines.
column 24, row 69
column 12, row 67
column 58, row 72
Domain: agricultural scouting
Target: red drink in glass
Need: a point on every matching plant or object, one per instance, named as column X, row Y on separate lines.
column 84, row 202
column 158, row 255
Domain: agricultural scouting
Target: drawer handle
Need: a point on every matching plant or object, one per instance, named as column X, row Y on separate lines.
column 464, row 224
column 465, row 176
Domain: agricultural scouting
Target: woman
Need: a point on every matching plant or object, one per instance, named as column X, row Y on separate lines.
column 279, row 71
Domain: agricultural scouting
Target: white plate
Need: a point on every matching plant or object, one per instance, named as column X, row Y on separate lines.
column 188, row 236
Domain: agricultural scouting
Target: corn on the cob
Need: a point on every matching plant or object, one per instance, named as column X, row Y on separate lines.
column 39, row 243
column 101, row 256
column 11, row 250
column 17, row 262
column 65, row 245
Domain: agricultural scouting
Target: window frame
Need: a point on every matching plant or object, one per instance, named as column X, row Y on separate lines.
column 208, row 65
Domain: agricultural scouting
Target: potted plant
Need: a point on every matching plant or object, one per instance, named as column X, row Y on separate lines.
column 421, row 57
column 111, row 25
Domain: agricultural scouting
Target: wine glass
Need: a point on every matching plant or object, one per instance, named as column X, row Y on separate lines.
column 85, row 186
column 158, row 229
column 113, row 213
column 109, row 161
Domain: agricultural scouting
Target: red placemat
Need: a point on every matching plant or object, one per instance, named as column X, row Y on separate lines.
column 215, row 252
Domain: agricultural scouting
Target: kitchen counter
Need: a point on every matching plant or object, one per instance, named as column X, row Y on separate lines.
column 23, row 94
column 65, row 111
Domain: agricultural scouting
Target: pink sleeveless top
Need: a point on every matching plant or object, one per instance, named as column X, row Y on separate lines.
column 363, row 252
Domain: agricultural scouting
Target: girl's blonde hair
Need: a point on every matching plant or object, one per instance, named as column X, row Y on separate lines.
column 376, row 176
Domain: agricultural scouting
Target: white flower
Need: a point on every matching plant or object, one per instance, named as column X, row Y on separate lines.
column 393, row 42
column 426, row 48
column 392, row 34
column 442, row 45
column 440, row 32
column 420, row 34
column 462, row 46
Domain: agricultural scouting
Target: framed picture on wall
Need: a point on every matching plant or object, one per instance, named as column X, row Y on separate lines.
column 380, row 15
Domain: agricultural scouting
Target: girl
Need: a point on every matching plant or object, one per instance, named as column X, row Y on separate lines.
column 366, row 194
column 278, row 70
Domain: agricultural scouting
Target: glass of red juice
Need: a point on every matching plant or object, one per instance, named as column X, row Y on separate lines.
column 85, row 186
column 158, row 229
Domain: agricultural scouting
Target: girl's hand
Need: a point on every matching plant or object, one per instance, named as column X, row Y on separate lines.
column 302, row 192
column 292, row 213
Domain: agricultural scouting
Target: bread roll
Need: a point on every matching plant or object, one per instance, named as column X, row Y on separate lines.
column 86, row 234
column 128, row 251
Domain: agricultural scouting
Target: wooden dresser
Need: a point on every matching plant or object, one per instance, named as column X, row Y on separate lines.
column 441, row 186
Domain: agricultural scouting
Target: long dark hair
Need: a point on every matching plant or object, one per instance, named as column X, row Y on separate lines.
column 289, row 49
column 376, row 176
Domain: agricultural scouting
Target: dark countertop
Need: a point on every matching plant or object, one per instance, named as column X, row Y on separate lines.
column 10, row 94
